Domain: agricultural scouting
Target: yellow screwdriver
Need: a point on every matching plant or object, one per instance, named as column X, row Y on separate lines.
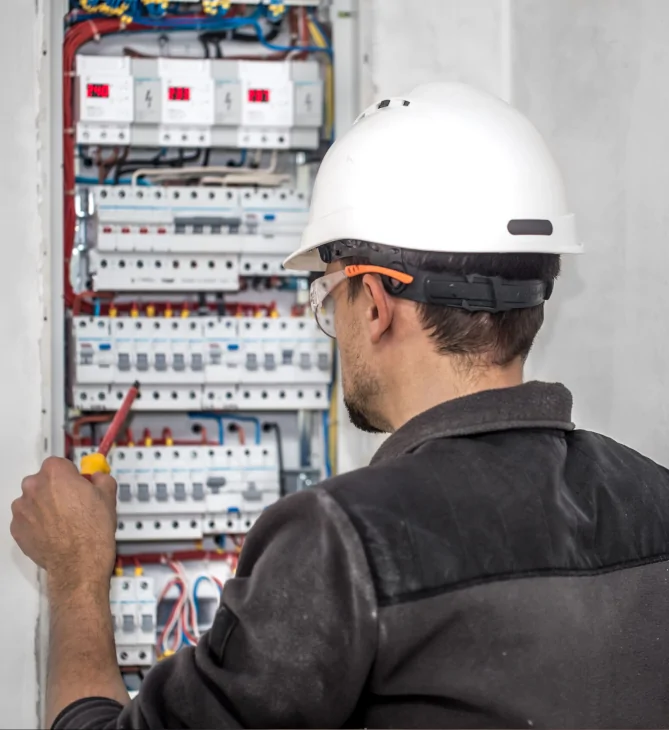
column 96, row 462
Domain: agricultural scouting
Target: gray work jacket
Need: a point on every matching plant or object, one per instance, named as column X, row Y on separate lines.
column 492, row 567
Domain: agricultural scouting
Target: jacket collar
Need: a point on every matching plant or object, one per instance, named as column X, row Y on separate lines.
column 532, row 405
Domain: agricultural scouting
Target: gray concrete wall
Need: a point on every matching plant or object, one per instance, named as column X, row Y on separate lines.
column 592, row 75
column 23, row 342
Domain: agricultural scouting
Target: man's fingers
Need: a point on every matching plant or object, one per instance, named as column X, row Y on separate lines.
column 106, row 483
column 29, row 485
column 57, row 465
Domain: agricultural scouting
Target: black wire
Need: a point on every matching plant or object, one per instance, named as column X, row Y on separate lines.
column 279, row 448
column 216, row 37
column 134, row 165
column 272, row 34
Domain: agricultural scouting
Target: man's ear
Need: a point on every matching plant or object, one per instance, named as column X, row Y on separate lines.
column 379, row 307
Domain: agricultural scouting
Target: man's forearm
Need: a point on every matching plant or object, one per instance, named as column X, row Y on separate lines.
column 82, row 656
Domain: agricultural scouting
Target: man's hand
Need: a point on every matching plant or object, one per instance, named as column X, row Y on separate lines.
column 66, row 524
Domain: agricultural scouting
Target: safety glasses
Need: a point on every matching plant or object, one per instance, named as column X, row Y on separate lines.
column 322, row 304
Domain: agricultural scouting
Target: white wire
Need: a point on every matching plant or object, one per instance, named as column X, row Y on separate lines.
column 269, row 181
column 190, row 601
column 174, row 623
column 159, row 174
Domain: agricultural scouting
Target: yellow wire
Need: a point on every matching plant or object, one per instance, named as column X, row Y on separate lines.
column 320, row 41
column 334, row 426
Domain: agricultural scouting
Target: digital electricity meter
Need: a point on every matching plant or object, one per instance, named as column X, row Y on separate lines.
column 182, row 102
column 104, row 99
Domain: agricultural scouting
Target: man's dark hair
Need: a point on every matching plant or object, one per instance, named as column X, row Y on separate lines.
column 497, row 338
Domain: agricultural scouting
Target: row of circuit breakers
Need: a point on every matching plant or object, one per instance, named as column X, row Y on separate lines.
column 190, row 492
column 191, row 238
column 170, row 102
column 281, row 363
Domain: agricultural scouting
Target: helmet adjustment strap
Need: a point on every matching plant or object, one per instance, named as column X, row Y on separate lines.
column 469, row 292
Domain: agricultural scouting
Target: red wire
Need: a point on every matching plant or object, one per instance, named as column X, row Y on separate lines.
column 183, row 556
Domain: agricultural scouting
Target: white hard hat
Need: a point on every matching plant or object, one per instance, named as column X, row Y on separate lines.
column 447, row 168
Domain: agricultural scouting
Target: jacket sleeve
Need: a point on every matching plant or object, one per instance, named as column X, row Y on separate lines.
column 292, row 643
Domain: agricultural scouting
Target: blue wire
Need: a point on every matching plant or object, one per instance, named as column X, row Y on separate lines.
column 326, row 441
column 195, row 587
column 80, row 180
column 211, row 417
column 96, row 308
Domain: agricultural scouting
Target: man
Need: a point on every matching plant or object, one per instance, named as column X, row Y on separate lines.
column 492, row 567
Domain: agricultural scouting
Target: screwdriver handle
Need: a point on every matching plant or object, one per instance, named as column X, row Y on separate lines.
column 95, row 463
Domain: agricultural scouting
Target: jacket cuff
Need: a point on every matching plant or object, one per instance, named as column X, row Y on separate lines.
column 89, row 713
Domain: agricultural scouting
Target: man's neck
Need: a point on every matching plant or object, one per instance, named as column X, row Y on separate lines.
column 440, row 379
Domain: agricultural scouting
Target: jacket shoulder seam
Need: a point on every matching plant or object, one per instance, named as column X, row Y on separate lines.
column 328, row 494
column 424, row 593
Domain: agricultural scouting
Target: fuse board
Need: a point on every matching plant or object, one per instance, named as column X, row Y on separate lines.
column 192, row 135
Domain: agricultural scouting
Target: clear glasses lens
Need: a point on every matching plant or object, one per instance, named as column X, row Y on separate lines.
column 325, row 317
column 322, row 303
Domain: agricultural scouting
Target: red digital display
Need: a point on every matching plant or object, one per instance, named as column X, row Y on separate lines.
column 97, row 91
column 259, row 96
column 179, row 93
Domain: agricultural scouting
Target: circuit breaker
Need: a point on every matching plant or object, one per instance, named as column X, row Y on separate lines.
column 134, row 612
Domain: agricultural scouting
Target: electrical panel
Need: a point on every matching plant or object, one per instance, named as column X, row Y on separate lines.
column 134, row 614
column 187, row 492
column 172, row 102
column 192, row 134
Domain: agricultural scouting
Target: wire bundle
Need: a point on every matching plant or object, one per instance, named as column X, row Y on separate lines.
column 182, row 625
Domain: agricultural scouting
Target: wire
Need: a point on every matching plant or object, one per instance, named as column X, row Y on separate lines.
column 214, row 170
column 211, row 417
column 326, row 444
column 285, row 49
column 247, row 419
column 279, row 453
column 320, row 39
column 94, row 181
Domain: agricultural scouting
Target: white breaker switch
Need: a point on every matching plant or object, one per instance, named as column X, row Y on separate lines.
column 187, row 492
column 192, row 238
column 200, row 103
column 134, row 612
